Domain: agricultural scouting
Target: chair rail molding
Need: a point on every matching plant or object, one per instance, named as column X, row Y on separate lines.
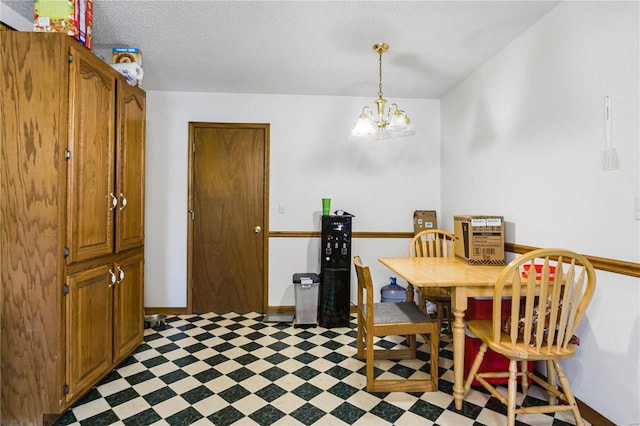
column 622, row 267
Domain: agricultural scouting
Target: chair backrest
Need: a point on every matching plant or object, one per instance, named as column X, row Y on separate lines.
column 553, row 288
column 365, row 284
column 432, row 243
column 365, row 293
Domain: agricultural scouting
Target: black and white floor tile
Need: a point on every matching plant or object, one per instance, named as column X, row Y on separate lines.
column 236, row 369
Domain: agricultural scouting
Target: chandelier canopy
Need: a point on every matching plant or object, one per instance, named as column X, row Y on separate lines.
column 390, row 121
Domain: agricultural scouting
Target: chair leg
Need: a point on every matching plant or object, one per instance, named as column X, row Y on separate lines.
column 410, row 293
column 369, row 362
column 435, row 355
column 512, row 391
column 439, row 314
column 566, row 389
column 525, row 378
column 411, row 340
column 360, row 342
column 422, row 302
column 551, row 378
column 474, row 367
column 449, row 320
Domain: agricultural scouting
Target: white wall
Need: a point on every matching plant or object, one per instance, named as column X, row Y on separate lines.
column 381, row 182
column 522, row 137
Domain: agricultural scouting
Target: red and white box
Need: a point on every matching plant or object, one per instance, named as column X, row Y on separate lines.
column 73, row 17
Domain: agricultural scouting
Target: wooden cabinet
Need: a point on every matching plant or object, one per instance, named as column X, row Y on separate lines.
column 91, row 159
column 130, row 168
column 106, row 172
column 89, row 314
column 128, row 317
column 103, row 307
column 72, row 222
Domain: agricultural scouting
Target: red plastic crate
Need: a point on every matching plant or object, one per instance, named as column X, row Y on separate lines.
column 552, row 272
column 482, row 309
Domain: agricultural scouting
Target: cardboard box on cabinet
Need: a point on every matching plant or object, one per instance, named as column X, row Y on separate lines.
column 121, row 55
column 479, row 239
column 73, row 17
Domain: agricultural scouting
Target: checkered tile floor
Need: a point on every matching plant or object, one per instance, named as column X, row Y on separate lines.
column 235, row 369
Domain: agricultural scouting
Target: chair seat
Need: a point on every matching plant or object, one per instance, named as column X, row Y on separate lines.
column 522, row 351
column 397, row 312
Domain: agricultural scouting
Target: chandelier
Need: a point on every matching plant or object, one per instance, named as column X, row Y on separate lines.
column 390, row 121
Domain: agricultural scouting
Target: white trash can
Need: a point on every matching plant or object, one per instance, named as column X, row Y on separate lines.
column 306, row 289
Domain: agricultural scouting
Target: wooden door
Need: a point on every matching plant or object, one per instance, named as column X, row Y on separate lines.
column 92, row 91
column 89, row 307
column 228, row 197
column 128, row 316
column 130, row 149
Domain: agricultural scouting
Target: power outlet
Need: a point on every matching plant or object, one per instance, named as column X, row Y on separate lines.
column 636, row 209
column 282, row 208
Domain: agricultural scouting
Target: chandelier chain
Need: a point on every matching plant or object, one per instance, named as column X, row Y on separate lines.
column 380, row 74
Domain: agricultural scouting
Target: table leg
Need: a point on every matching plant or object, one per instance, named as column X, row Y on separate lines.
column 459, row 305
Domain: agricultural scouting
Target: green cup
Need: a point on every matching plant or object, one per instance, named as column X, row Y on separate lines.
column 326, row 206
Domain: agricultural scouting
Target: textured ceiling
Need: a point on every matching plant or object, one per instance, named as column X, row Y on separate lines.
column 308, row 47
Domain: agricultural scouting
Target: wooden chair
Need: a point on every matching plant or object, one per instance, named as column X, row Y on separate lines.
column 554, row 287
column 392, row 319
column 434, row 243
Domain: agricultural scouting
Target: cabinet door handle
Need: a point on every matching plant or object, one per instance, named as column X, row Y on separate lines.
column 120, row 275
column 114, row 201
column 123, row 202
column 113, row 278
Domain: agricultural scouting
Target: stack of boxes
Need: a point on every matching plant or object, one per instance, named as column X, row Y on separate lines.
column 74, row 17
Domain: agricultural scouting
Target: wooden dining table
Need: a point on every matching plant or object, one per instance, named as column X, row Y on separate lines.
column 463, row 281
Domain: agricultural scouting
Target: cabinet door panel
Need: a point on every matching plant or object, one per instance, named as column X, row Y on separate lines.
column 130, row 168
column 128, row 313
column 89, row 334
column 91, row 164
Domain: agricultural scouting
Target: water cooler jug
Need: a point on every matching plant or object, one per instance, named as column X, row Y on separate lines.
column 334, row 300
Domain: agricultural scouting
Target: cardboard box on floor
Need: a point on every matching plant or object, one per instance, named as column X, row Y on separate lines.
column 479, row 239
column 424, row 219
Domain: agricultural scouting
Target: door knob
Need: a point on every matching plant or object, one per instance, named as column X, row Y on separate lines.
column 257, row 229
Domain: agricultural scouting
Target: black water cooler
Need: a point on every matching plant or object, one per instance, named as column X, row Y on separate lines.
column 334, row 298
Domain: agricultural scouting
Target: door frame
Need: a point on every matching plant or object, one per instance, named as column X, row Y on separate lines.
column 265, row 216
